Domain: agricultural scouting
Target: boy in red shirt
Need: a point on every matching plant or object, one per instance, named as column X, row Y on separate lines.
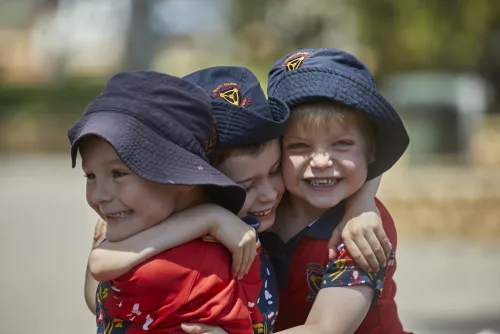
column 341, row 133
column 143, row 143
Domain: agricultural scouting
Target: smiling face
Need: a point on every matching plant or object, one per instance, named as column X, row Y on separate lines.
column 326, row 152
column 259, row 173
column 129, row 204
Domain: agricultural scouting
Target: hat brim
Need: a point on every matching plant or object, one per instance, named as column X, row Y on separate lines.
column 238, row 126
column 154, row 158
column 305, row 84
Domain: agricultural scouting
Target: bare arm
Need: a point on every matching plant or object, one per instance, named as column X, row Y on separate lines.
column 91, row 284
column 90, row 290
column 113, row 259
column 338, row 310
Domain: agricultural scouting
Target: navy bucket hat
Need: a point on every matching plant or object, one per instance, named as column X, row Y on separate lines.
column 244, row 116
column 310, row 74
column 161, row 127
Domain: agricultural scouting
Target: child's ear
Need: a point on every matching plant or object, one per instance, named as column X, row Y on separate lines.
column 371, row 155
column 371, row 158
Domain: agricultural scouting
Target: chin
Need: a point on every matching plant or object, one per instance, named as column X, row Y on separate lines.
column 324, row 203
column 265, row 225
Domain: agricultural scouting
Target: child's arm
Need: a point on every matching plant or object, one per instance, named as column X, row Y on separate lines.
column 91, row 284
column 361, row 230
column 113, row 259
column 90, row 290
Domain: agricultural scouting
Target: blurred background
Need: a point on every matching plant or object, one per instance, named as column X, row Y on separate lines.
column 437, row 61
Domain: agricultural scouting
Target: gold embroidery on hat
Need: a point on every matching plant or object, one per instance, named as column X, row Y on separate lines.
column 212, row 140
column 295, row 61
column 231, row 95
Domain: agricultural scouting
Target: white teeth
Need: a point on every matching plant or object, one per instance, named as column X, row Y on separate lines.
column 322, row 182
column 118, row 215
column 261, row 213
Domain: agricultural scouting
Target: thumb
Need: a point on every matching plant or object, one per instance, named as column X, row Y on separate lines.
column 192, row 328
column 333, row 242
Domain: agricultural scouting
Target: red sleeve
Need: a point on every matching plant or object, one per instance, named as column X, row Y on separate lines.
column 190, row 283
column 230, row 306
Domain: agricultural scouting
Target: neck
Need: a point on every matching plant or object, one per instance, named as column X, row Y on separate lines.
column 294, row 215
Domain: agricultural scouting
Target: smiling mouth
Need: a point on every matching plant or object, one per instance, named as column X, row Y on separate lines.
column 322, row 182
column 262, row 213
column 118, row 215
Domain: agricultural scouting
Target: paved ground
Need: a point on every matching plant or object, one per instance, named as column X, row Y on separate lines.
column 444, row 287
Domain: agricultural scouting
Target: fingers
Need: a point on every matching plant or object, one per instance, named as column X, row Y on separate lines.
column 237, row 263
column 249, row 252
column 375, row 253
column 384, row 240
column 192, row 328
column 245, row 254
column 201, row 329
column 100, row 230
column 357, row 255
column 333, row 242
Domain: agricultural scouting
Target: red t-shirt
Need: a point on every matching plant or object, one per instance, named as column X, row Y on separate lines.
column 303, row 268
column 193, row 282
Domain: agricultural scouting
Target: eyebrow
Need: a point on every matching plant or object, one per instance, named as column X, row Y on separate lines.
column 116, row 161
column 251, row 178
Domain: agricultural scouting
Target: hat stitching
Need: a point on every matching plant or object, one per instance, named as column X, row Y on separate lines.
column 193, row 143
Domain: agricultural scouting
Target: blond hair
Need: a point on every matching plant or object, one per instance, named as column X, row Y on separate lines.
column 332, row 116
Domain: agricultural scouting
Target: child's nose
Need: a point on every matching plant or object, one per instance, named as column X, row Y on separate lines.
column 321, row 160
column 102, row 193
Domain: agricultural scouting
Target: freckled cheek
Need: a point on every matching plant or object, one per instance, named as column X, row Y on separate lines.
column 291, row 167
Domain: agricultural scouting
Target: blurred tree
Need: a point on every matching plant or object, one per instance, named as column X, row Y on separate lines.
column 435, row 34
column 141, row 40
column 268, row 29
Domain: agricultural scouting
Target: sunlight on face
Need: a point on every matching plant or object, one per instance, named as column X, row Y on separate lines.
column 323, row 166
column 260, row 175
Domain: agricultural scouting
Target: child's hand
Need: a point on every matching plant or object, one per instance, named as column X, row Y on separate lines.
column 240, row 239
column 99, row 232
column 362, row 232
column 201, row 329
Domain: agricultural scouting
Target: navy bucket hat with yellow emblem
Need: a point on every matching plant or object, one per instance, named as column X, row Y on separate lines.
column 311, row 74
column 244, row 116
column 162, row 128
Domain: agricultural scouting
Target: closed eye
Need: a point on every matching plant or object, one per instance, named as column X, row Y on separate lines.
column 343, row 143
column 118, row 174
column 297, row 145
